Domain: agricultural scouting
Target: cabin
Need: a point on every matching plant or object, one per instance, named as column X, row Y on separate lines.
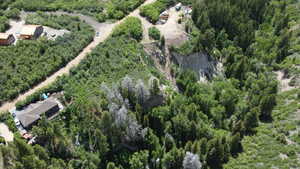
column 31, row 32
column 34, row 112
column 6, row 39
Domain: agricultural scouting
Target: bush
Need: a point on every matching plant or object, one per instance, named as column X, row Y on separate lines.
column 4, row 25
column 8, row 119
column 13, row 13
column 154, row 33
column 131, row 27
column 153, row 10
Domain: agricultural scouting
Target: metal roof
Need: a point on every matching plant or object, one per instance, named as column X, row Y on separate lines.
column 29, row 29
column 34, row 113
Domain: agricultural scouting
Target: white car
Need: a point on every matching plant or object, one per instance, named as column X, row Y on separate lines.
column 17, row 122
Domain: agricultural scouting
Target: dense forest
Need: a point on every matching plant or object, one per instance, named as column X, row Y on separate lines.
column 121, row 112
column 29, row 62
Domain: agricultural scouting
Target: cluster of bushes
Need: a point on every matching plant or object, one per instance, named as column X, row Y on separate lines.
column 29, row 62
column 131, row 27
column 89, row 7
column 117, row 9
column 154, row 33
column 5, row 15
column 153, row 10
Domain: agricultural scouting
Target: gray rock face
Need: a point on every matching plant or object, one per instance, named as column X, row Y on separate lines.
column 202, row 64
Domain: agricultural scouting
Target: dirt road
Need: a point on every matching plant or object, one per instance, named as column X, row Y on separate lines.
column 104, row 34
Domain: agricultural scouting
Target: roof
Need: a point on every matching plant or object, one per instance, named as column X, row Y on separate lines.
column 4, row 35
column 29, row 29
column 34, row 113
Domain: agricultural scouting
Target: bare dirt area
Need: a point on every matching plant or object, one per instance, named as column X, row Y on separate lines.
column 173, row 31
column 104, row 32
column 174, row 35
column 5, row 133
column 283, row 82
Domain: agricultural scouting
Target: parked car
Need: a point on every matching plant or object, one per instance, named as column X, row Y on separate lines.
column 17, row 122
column 97, row 34
column 178, row 7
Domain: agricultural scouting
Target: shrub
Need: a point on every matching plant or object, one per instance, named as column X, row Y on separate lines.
column 131, row 27
column 153, row 10
column 13, row 13
column 154, row 33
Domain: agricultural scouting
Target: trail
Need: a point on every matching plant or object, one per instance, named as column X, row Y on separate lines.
column 105, row 31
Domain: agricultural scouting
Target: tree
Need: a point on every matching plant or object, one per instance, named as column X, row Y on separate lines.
column 162, row 42
column 111, row 165
column 251, row 120
column 154, row 33
column 173, row 159
column 235, row 144
column 191, row 161
column 267, row 103
column 184, row 79
column 142, row 93
column 139, row 160
column 154, row 86
column 215, row 153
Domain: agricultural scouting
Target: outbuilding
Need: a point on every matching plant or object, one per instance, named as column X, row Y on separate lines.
column 6, row 39
column 31, row 31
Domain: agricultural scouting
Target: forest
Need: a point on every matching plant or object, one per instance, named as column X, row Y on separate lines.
column 122, row 113
column 29, row 62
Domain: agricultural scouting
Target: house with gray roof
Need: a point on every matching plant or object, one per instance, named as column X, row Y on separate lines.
column 32, row 114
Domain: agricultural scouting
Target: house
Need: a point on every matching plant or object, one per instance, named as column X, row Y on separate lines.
column 31, row 31
column 32, row 114
column 6, row 39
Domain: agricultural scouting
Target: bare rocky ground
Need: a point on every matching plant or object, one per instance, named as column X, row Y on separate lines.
column 284, row 82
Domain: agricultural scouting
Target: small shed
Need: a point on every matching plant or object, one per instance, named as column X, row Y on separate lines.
column 31, row 115
column 31, row 31
column 6, row 39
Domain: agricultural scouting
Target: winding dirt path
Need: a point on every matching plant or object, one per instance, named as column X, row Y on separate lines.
column 104, row 34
